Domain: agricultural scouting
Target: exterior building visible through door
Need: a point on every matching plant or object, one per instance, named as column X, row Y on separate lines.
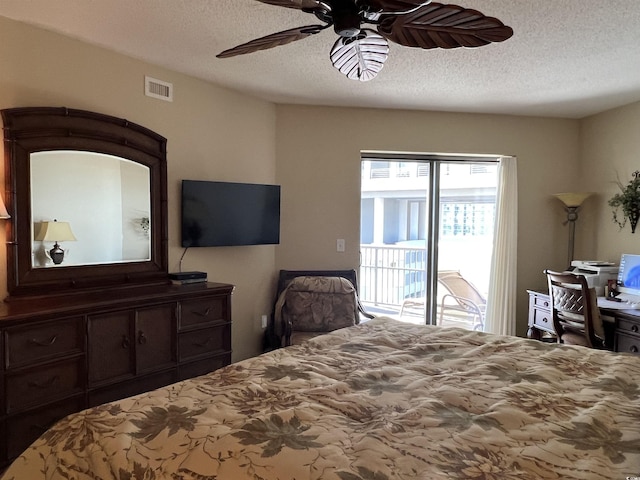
column 426, row 235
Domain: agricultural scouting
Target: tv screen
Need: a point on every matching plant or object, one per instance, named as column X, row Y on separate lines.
column 216, row 214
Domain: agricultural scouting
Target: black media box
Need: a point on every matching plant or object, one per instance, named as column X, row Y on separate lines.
column 188, row 276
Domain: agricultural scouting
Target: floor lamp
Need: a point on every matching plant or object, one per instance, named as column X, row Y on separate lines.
column 572, row 202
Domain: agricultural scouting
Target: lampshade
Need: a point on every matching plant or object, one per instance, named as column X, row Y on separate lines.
column 572, row 199
column 55, row 232
column 3, row 210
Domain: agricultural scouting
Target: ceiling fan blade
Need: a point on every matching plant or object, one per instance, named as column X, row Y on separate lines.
column 443, row 26
column 361, row 57
column 390, row 6
column 299, row 4
column 273, row 40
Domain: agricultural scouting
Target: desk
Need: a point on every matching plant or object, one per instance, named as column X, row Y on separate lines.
column 622, row 327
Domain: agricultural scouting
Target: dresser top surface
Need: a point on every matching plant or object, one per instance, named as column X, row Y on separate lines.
column 20, row 308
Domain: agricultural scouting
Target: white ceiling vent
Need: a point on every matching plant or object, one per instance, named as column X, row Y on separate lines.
column 158, row 89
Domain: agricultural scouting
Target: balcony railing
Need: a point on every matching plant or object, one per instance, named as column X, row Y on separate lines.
column 389, row 274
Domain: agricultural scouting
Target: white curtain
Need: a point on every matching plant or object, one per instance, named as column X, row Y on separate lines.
column 501, row 298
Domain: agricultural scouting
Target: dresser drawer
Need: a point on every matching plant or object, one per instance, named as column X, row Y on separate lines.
column 202, row 367
column 627, row 343
column 41, row 385
column 132, row 387
column 23, row 429
column 630, row 326
column 541, row 301
column 29, row 345
column 542, row 320
column 205, row 310
column 204, row 342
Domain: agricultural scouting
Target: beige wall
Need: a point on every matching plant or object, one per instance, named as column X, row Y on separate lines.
column 213, row 134
column 314, row 153
column 610, row 147
column 318, row 154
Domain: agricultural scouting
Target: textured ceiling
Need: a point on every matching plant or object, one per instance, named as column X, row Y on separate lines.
column 567, row 58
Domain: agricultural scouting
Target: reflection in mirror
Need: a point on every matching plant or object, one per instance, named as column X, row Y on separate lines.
column 104, row 199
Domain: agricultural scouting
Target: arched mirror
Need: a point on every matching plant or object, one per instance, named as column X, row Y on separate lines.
column 87, row 197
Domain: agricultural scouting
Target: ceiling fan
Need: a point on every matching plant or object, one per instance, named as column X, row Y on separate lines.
column 359, row 52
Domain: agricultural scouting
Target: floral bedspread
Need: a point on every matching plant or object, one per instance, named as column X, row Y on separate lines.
column 381, row 400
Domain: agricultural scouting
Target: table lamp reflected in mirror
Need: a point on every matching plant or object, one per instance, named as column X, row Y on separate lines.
column 55, row 232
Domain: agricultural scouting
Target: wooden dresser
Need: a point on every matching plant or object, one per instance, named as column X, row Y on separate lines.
column 63, row 354
column 108, row 324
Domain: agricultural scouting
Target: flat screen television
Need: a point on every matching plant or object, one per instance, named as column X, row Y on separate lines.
column 629, row 274
column 216, row 214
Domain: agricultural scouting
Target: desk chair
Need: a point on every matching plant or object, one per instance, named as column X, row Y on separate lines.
column 574, row 309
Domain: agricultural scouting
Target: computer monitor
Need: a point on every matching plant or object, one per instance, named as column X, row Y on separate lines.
column 629, row 274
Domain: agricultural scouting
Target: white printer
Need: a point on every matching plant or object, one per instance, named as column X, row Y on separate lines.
column 598, row 273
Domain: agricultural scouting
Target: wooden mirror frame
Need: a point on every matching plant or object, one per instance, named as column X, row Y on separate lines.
column 37, row 129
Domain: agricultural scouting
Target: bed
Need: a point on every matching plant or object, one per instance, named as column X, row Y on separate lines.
column 377, row 401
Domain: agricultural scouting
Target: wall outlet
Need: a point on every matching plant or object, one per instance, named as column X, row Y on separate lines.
column 263, row 321
column 340, row 245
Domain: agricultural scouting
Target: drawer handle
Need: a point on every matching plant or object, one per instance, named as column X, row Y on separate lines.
column 203, row 314
column 546, row 304
column 205, row 344
column 545, row 319
column 45, row 344
column 46, row 384
column 634, row 328
column 142, row 339
column 125, row 342
column 633, row 349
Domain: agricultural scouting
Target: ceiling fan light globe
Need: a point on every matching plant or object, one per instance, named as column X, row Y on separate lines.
column 360, row 58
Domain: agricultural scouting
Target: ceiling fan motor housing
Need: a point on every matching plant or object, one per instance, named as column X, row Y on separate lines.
column 346, row 18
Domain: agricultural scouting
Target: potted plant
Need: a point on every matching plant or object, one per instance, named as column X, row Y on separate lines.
column 626, row 204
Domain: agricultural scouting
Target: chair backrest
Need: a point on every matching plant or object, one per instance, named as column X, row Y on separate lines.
column 274, row 333
column 576, row 318
column 459, row 286
column 285, row 276
column 316, row 304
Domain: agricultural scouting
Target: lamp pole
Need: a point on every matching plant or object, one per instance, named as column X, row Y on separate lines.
column 572, row 216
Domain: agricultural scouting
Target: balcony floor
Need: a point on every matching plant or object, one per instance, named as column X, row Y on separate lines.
column 416, row 316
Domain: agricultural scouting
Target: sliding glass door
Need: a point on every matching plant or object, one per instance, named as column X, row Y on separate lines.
column 426, row 237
